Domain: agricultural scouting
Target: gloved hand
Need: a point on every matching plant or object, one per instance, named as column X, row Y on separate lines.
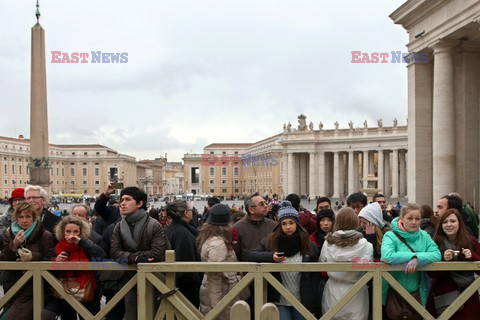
column 25, row 254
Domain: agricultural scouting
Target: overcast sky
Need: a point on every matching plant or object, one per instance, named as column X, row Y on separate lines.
column 200, row 72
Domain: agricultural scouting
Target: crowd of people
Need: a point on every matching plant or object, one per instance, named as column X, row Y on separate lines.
column 262, row 230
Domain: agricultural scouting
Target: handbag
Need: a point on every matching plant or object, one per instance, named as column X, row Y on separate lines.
column 72, row 287
column 442, row 301
column 245, row 293
column 396, row 307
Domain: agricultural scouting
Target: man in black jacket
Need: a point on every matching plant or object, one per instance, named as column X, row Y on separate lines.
column 109, row 213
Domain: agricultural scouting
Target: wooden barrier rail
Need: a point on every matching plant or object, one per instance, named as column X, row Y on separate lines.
column 161, row 276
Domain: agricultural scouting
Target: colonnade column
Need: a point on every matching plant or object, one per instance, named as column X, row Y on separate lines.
column 312, row 177
column 321, row 174
column 365, row 169
column 380, row 171
column 443, row 128
column 336, row 175
column 394, row 174
column 291, row 175
column 351, row 172
column 388, row 175
column 402, row 167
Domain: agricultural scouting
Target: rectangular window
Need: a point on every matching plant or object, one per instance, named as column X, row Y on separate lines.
column 57, row 171
column 63, row 172
column 212, row 171
column 84, row 182
column 212, row 181
column 98, row 153
column 84, row 172
column 20, row 169
column 5, row 169
column 85, row 153
column 97, row 182
column 73, row 153
column 13, row 169
column 224, row 171
column 97, row 191
column 72, row 172
column 224, row 181
column 224, row 190
column 236, row 190
column 211, row 190
column 97, row 172
column 235, row 171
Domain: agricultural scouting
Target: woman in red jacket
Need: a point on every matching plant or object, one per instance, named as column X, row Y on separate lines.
column 455, row 244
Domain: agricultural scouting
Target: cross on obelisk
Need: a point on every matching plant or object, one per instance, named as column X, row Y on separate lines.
column 39, row 160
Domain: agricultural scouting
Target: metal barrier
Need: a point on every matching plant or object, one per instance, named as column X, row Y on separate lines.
column 161, row 276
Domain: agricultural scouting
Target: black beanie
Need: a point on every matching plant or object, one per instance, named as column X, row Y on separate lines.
column 219, row 215
column 294, row 200
column 325, row 213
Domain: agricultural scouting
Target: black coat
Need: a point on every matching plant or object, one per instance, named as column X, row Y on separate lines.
column 49, row 221
column 311, row 283
column 110, row 214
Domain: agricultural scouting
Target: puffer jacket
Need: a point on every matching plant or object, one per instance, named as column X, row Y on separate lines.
column 396, row 253
column 215, row 285
column 40, row 243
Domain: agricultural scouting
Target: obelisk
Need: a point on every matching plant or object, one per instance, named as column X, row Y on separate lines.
column 39, row 161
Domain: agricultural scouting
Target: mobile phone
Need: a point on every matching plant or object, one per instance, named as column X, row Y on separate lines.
column 280, row 254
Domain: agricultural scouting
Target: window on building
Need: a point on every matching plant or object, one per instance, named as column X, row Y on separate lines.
column 212, row 171
column 72, row 172
column 224, row 181
column 6, row 182
column 97, row 172
column 85, row 153
column 13, row 169
column 72, row 163
column 212, row 181
column 224, row 171
column 57, row 171
column 211, row 152
column 5, row 169
column 236, row 190
column 84, row 172
column 20, row 169
column 97, row 163
column 97, row 191
column 224, row 190
column 97, row 182
column 72, row 182
column 235, row 171
column 84, row 163
column 98, row 153
column 211, row 190
column 73, row 153
column 63, row 172
column 224, row 152
column 84, row 182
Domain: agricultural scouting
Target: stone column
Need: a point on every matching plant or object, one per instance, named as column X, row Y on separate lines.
column 402, row 167
column 312, row 176
column 371, row 162
column 443, row 128
column 395, row 174
column 321, row 174
column 356, row 175
column 420, row 92
column 380, row 171
column 388, row 175
column 351, row 186
column 365, row 169
column 291, row 174
column 336, row 175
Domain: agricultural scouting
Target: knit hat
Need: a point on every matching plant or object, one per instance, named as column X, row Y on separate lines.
column 17, row 193
column 373, row 213
column 325, row 213
column 213, row 201
column 286, row 211
column 219, row 215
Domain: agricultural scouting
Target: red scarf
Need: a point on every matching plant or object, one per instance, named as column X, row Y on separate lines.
column 76, row 253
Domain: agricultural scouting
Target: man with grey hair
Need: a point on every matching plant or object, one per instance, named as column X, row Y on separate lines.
column 37, row 196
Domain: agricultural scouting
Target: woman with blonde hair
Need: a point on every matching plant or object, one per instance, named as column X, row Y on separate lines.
column 344, row 245
column 25, row 240
column 215, row 245
column 72, row 234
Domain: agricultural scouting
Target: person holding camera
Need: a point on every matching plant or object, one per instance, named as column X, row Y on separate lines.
column 455, row 244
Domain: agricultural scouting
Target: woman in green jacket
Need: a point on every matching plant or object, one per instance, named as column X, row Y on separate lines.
column 395, row 252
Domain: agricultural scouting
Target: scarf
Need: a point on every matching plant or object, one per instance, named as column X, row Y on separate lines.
column 461, row 278
column 131, row 229
column 344, row 238
column 16, row 228
column 76, row 253
column 289, row 244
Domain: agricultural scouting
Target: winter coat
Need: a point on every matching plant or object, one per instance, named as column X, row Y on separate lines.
column 339, row 283
column 250, row 234
column 49, row 221
column 183, row 239
column 215, row 285
column 307, row 220
column 442, row 282
column 40, row 243
column 394, row 252
column 110, row 214
column 311, row 283
column 152, row 244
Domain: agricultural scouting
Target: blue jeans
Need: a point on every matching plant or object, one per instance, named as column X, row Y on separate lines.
column 289, row 313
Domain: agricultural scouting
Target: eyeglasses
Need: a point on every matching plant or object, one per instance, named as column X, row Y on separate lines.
column 260, row 204
column 33, row 198
column 15, row 201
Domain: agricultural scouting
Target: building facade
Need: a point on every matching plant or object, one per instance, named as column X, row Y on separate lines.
column 443, row 97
